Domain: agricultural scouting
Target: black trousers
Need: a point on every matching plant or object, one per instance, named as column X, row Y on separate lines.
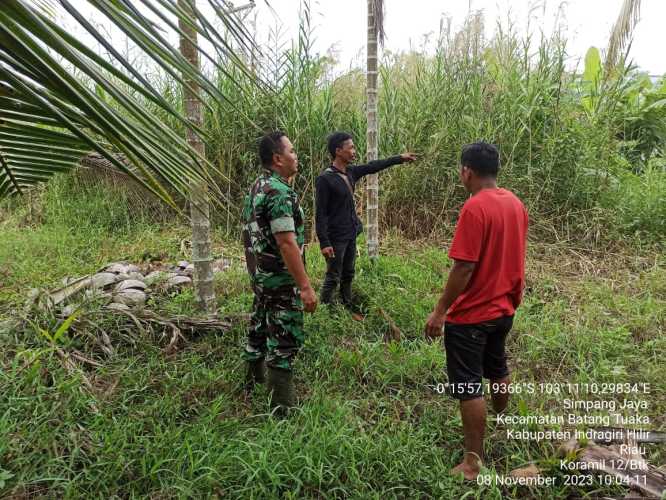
column 474, row 352
column 340, row 269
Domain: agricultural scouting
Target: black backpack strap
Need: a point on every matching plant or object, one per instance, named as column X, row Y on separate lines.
column 344, row 178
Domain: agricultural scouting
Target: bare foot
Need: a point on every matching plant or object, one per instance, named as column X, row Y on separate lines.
column 468, row 471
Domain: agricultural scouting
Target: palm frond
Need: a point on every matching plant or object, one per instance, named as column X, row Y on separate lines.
column 622, row 33
column 30, row 154
column 46, row 6
column 61, row 100
column 96, row 172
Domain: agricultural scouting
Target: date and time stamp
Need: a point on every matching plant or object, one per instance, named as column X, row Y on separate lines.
column 575, row 480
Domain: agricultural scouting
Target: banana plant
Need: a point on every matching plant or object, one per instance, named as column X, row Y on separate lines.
column 591, row 84
column 59, row 99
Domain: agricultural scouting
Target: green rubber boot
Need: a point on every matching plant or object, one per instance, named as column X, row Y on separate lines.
column 255, row 374
column 281, row 388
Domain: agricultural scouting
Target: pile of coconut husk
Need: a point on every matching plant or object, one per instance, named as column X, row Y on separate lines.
column 121, row 286
column 110, row 308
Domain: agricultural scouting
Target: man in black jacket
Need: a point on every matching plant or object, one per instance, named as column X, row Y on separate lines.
column 337, row 223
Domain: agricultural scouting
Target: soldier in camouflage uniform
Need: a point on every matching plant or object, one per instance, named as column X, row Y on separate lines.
column 273, row 237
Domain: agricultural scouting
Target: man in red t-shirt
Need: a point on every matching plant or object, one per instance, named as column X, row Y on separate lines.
column 482, row 292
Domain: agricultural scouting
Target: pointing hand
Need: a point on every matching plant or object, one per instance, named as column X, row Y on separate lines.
column 409, row 157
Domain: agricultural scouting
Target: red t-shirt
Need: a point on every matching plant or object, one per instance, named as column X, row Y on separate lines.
column 491, row 231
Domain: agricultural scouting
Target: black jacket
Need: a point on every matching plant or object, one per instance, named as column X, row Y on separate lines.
column 336, row 218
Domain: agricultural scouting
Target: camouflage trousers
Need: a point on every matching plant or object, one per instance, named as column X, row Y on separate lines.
column 276, row 328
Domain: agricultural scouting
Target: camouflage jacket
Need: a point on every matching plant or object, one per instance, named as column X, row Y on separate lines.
column 270, row 207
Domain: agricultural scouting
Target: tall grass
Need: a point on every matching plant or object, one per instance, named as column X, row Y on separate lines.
column 640, row 201
column 564, row 145
column 515, row 92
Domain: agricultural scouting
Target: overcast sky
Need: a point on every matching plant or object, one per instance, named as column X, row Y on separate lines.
column 341, row 23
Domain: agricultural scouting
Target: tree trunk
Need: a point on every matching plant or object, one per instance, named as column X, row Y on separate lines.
column 202, row 257
column 372, row 188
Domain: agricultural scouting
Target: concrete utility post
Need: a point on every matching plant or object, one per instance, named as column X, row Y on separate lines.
column 372, row 188
column 202, row 252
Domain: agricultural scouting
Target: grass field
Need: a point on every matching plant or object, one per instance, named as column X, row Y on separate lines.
column 371, row 422
column 106, row 407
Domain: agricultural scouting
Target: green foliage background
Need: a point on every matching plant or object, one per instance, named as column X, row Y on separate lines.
column 585, row 152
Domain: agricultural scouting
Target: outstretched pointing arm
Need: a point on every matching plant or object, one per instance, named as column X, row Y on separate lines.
column 375, row 166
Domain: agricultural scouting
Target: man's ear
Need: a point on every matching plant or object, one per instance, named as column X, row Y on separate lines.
column 277, row 160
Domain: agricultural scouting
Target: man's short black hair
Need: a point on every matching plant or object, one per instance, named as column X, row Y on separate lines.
column 482, row 158
column 269, row 145
column 335, row 141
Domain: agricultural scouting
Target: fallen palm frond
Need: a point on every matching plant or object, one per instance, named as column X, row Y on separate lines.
column 393, row 333
column 133, row 326
column 96, row 171
column 172, row 330
column 129, row 327
column 190, row 325
column 73, row 369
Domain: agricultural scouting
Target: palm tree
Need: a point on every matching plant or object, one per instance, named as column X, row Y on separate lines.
column 621, row 34
column 50, row 117
column 375, row 36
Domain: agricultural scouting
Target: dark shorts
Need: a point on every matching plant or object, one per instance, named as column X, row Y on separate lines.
column 474, row 352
